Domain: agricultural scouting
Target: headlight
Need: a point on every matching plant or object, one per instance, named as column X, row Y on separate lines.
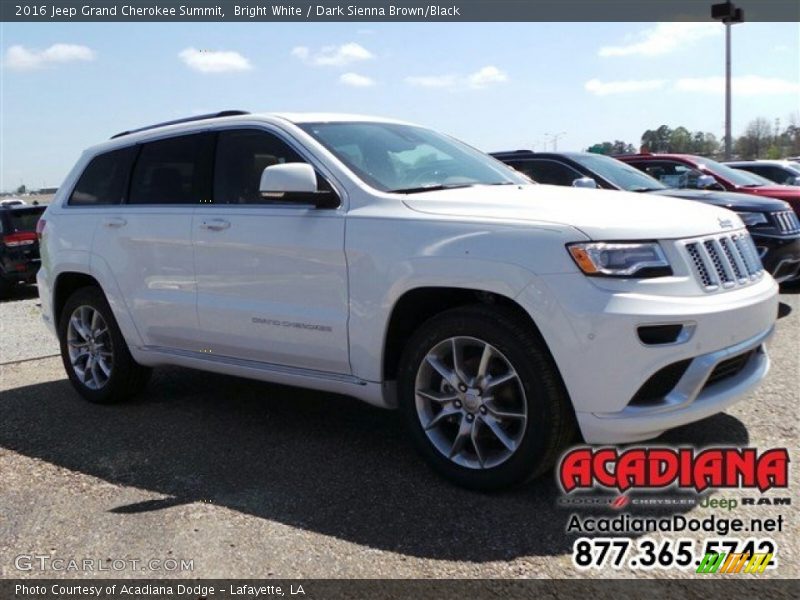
column 753, row 218
column 643, row 259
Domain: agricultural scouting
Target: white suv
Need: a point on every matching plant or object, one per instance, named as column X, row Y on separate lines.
column 383, row 260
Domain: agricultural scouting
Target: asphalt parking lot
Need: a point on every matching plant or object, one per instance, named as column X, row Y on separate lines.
column 255, row 480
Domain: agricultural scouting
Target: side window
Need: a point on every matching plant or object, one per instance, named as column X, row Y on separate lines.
column 548, row 172
column 670, row 173
column 242, row 156
column 104, row 180
column 174, row 171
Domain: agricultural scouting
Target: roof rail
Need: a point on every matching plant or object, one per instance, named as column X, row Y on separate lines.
column 224, row 113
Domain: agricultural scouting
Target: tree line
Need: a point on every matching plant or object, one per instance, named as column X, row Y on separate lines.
column 762, row 138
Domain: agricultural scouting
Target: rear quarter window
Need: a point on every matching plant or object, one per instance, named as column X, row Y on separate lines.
column 174, row 171
column 104, row 181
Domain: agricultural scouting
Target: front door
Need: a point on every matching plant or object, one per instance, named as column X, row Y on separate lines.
column 271, row 276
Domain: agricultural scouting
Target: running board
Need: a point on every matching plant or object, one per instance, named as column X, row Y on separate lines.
column 254, row 364
column 349, row 385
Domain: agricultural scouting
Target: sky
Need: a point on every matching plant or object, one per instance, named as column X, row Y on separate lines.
column 497, row 86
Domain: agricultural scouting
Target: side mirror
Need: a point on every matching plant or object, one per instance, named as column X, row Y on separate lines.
column 585, row 182
column 280, row 179
column 296, row 182
column 705, row 181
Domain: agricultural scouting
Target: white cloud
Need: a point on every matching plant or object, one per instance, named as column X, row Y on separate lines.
column 333, row 56
column 482, row 78
column 214, row 61
column 745, row 85
column 604, row 88
column 486, row 76
column 356, row 80
column 663, row 39
column 22, row 59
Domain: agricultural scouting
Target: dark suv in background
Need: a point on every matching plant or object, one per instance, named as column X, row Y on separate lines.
column 774, row 227
column 686, row 170
column 19, row 245
column 784, row 172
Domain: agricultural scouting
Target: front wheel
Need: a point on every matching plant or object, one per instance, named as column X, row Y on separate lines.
column 482, row 398
column 95, row 355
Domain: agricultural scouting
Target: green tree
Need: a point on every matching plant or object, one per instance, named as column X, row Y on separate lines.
column 21, row 189
column 615, row 147
column 756, row 139
column 680, row 140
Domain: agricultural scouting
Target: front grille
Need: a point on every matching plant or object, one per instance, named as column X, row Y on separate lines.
column 786, row 221
column 725, row 261
column 728, row 368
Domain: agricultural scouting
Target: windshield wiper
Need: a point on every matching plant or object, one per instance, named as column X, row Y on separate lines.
column 430, row 188
column 646, row 189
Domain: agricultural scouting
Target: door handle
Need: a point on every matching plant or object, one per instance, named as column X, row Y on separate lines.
column 215, row 224
column 115, row 222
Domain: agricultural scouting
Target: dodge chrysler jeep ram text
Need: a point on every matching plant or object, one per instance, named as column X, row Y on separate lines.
column 386, row 261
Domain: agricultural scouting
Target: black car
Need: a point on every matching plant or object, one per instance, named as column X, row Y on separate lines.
column 19, row 245
column 772, row 223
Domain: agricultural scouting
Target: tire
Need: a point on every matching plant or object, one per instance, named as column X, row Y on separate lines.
column 533, row 387
column 113, row 375
column 5, row 287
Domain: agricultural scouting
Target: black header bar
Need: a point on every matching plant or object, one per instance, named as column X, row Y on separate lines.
column 389, row 11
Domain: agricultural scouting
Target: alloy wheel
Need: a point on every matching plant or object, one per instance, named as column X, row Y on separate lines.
column 89, row 347
column 471, row 402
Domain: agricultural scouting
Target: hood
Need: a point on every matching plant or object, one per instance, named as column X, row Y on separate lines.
column 600, row 214
column 731, row 200
column 789, row 193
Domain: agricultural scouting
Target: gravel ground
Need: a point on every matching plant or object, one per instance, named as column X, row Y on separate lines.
column 23, row 334
column 256, row 480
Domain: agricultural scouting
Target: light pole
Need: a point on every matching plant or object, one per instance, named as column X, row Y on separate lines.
column 729, row 15
column 555, row 137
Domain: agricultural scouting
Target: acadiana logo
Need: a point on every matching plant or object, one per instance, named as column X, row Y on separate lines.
column 687, row 468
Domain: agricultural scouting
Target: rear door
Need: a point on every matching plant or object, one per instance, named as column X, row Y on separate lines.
column 146, row 243
column 271, row 274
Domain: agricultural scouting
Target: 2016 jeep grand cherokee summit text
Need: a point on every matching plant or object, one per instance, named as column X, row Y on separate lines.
column 385, row 261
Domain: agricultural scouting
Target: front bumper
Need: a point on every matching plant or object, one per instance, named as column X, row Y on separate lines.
column 592, row 333
column 780, row 255
column 692, row 398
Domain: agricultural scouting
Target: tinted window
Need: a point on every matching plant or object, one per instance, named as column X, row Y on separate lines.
column 25, row 220
column 173, row 171
column 105, row 179
column 618, row 173
column 547, row 171
column 670, row 173
column 242, row 156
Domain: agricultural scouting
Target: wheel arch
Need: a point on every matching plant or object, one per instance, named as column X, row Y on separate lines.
column 417, row 305
column 66, row 284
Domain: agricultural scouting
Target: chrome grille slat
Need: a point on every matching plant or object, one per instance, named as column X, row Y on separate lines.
column 739, row 268
column 726, row 260
column 786, row 221
column 748, row 252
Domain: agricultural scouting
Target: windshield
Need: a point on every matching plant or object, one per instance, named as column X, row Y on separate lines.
column 735, row 176
column 408, row 159
column 621, row 175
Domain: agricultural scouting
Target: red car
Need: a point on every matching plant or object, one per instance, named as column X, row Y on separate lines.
column 686, row 170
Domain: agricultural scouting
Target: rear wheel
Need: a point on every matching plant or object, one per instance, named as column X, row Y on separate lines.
column 93, row 351
column 482, row 398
